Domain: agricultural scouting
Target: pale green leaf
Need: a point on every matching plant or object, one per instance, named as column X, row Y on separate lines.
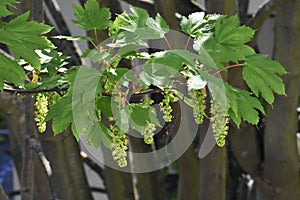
column 196, row 82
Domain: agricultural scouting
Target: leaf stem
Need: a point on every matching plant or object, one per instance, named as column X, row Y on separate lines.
column 168, row 43
column 187, row 43
column 96, row 37
column 229, row 67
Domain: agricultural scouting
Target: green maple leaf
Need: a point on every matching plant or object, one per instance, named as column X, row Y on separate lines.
column 165, row 65
column 192, row 24
column 241, row 105
column 91, row 16
column 261, row 75
column 215, row 55
column 10, row 71
column 197, row 25
column 140, row 23
column 225, row 44
column 61, row 114
column 23, row 38
column 3, row 7
column 229, row 32
column 141, row 115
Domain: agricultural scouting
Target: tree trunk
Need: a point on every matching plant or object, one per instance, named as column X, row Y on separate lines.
column 281, row 164
column 63, row 153
column 167, row 10
column 213, row 175
column 149, row 185
column 227, row 7
column 188, row 184
column 28, row 155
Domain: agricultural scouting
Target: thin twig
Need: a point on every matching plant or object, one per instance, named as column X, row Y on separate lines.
column 187, row 43
column 168, row 43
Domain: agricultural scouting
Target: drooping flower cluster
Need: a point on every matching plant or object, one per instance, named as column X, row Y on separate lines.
column 198, row 101
column 41, row 105
column 119, row 146
column 219, row 119
column 165, row 105
column 148, row 133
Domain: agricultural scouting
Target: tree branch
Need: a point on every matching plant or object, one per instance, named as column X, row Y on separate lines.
column 3, row 196
column 141, row 4
column 94, row 166
column 28, row 168
column 100, row 190
column 264, row 12
column 34, row 91
column 36, row 145
column 243, row 10
column 58, row 90
column 68, row 47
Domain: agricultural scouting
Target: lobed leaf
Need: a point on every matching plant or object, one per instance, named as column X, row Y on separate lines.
column 4, row 12
column 261, row 75
column 23, row 38
column 141, row 24
column 11, row 71
column 229, row 32
column 91, row 16
column 241, row 105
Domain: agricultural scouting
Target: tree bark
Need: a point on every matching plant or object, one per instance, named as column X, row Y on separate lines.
column 213, row 175
column 119, row 184
column 213, row 168
column 281, row 164
column 149, row 185
column 167, row 10
column 189, row 174
column 69, row 177
column 27, row 174
column 226, row 7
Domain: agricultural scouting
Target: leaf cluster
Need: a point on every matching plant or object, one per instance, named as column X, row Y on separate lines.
column 92, row 98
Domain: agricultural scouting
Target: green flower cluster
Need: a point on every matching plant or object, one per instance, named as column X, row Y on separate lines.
column 148, row 133
column 165, row 106
column 41, row 105
column 219, row 119
column 109, row 87
column 119, row 146
column 198, row 100
column 147, row 101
